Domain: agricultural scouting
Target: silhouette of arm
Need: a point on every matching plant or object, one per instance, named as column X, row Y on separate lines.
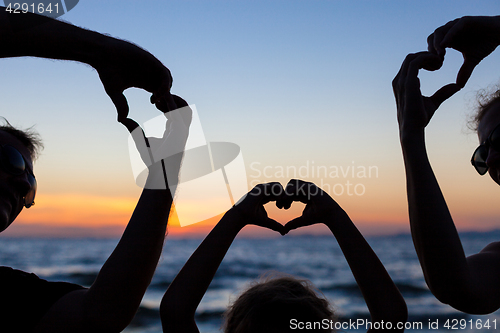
column 178, row 306
column 120, row 64
column 381, row 295
column 113, row 299
column 468, row 284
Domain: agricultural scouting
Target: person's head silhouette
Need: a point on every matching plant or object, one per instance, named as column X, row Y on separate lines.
column 18, row 149
column 278, row 303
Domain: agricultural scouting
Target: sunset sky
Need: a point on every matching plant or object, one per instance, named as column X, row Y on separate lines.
column 301, row 86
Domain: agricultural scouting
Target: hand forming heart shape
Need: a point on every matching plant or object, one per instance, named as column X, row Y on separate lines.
column 319, row 205
column 415, row 110
column 473, row 36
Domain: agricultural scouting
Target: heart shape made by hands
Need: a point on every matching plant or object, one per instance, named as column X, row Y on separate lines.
column 318, row 205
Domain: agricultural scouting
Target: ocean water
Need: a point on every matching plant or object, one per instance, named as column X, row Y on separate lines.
column 317, row 258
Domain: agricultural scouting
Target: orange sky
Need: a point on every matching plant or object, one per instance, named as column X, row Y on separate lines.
column 104, row 216
column 80, row 215
column 381, row 209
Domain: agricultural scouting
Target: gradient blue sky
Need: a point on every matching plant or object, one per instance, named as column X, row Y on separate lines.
column 291, row 82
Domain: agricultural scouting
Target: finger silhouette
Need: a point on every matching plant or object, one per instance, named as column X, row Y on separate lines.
column 140, row 139
column 285, row 201
column 171, row 102
column 436, row 49
column 162, row 89
column 120, row 103
column 444, row 93
column 273, row 191
column 295, row 223
column 465, row 72
column 130, row 124
column 440, row 37
column 262, row 194
column 179, row 101
column 162, row 98
column 430, row 44
column 449, row 32
column 403, row 71
column 425, row 60
column 275, row 226
column 166, row 104
column 296, row 190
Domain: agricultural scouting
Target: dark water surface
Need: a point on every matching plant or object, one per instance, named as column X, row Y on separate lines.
column 317, row 258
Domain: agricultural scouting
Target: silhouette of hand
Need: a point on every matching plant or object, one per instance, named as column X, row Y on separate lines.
column 126, row 65
column 163, row 156
column 319, row 205
column 251, row 207
column 414, row 110
column 474, row 36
